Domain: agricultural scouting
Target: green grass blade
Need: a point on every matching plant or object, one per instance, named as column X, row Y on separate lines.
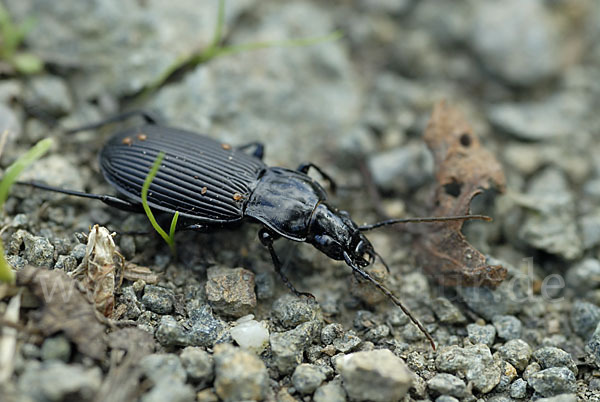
column 16, row 168
column 169, row 239
column 13, row 171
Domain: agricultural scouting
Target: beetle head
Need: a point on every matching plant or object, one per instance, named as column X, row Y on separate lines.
column 335, row 234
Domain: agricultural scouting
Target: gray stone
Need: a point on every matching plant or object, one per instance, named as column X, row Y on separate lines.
column 288, row 347
column 290, row 311
column 584, row 318
column 160, row 367
column 201, row 329
column 593, row 345
column 49, row 95
column 517, row 352
column 402, row 169
column 446, row 398
column 553, row 381
column 474, row 362
column 518, row 389
column 56, row 381
column 170, row 391
column 67, row 263
column 377, row 333
column 377, row 375
column 550, row 356
column 38, row 250
column 590, row 229
column 239, row 375
column 199, row 366
column 560, row 398
column 550, row 222
column 231, row 291
column 333, row 391
column 447, row 312
column 584, row 275
column 507, row 326
column 9, row 122
column 447, row 384
column 56, row 348
column 307, row 378
column 330, row 332
column 78, row 251
column 516, row 41
column 265, row 285
column 158, row 299
column 553, row 117
column 481, row 334
column 347, row 342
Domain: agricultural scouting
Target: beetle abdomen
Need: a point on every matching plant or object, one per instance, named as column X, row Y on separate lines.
column 203, row 179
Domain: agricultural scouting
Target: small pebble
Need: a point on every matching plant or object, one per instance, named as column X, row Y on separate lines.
column 378, row 375
column 330, row 332
column 518, row 389
column 584, row 275
column 159, row 367
column 446, row 398
column 447, row 312
column 231, row 291
column 584, row 318
column 54, row 380
column 239, row 375
column 307, row 377
column 554, row 357
column 485, row 334
column 553, row 381
column 290, row 311
column 158, row 299
column 447, row 384
column 250, row 334
column 288, row 347
column 198, row 365
column 38, row 250
column 507, row 326
column 517, row 352
column 347, row 342
column 56, row 348
column 333, row 391
column 474, row 362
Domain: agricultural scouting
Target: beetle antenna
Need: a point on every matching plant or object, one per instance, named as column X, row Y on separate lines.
column 426, row 219
column 390, row 295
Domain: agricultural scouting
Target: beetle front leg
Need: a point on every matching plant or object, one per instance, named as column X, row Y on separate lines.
column 267, row 238
column 305, row 167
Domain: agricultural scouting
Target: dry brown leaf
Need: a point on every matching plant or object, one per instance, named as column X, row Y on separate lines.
column 65, row 308
column 133, row 272
column 99, row 268
column 463, row 169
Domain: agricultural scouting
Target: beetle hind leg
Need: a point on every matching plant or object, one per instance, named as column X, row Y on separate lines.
column 267, row 238
column 259, row 149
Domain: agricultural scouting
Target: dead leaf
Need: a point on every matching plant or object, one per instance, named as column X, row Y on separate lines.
column 133, row 272
column 65, row 308
column 99, row 267
column 463, row 169
column 122, row 381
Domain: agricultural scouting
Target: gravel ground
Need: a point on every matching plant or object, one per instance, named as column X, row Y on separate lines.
column 525, row 75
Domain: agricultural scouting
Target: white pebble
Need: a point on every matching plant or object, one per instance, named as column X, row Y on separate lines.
column 251, row 334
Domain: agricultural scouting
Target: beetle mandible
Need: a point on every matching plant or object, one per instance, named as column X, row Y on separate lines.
column 213, row 185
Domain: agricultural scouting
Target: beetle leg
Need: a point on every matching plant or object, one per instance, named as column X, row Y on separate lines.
column 267, row 238
column 110, row 200
column 304, row 168
column 147, row 116
column 259, row 149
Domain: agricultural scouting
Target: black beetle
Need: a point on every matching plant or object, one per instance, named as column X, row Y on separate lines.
column 212, row 184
